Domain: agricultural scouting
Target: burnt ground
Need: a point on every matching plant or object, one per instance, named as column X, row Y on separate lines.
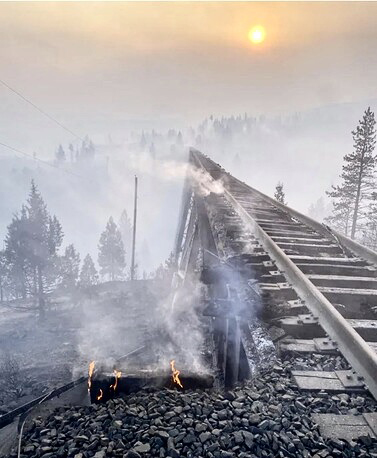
column 265, row 417
column 37, row 356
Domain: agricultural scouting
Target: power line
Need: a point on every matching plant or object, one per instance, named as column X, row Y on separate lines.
column 40, row 110
column 16, row 150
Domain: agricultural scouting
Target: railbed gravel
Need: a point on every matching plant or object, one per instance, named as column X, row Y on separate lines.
column 265, row 417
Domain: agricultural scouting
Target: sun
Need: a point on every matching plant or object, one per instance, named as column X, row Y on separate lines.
column 257, row 34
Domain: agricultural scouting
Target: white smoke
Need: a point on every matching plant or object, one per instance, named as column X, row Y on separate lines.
column 177, row 171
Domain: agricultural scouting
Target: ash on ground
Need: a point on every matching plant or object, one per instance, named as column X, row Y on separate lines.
column 38, row 356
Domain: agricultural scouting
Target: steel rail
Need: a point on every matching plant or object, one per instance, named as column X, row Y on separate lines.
column 10, row 416
column 353, row 347
column 355, row 247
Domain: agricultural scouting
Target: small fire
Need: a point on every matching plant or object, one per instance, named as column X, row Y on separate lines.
column 100, row 395
column 91, row 370
column 175, row 373
column 117, row 375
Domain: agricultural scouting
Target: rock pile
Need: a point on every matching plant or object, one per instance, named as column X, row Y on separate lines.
column 267, row 417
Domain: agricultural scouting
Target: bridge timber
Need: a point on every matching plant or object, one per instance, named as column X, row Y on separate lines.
column 318, row 287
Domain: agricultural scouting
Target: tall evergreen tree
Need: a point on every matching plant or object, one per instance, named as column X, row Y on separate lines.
column 369, row 235
column 16, row 242
column 319, row 210
column 38, row 250
column 280, row 194
column 356, row 187
column 60, row 155
column 3, row 275
column 125, row 228
column 111, row 252
column 71, row 153
column 87, row 149
column 31, row 246
column 88, row 274
column 69, row 268
column 165, row 271
column 341, row 215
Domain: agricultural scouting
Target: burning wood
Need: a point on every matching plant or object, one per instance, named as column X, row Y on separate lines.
column 134, row 381
column 117, row 375
column 99, row 397
column 176, row 373
column 91, row 370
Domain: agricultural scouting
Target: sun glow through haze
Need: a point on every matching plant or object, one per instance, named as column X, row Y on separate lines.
column 257, row 34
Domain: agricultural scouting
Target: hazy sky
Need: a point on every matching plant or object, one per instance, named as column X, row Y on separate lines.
column 93, row 63
column 103, row 68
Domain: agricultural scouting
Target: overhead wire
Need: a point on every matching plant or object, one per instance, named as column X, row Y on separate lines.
column 16, row 150
column 49, row 117
column 41, row 110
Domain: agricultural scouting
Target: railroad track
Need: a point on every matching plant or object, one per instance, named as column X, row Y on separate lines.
column 320, row 288
column 315, row 289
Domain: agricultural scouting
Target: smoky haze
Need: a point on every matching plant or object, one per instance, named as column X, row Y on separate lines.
column 113, row 71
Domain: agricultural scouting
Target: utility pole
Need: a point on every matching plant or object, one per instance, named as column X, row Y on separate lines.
column 134, row 234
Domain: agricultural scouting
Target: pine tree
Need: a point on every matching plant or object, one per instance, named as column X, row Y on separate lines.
column 125, row 228
column 60, row 155
column 87, row 149
column 3, row 275
column 369, row 235
column 340, row 218
column 88, row 274
column 16, row 242
column 143, row 141
column 31, row 247
column 38, row 250
column 280, row 194
column 111, row 252
column 356, row 188
column 165, row 271
column 179, row 139
column 319, row 210
column 71, row 153
column 69, row 268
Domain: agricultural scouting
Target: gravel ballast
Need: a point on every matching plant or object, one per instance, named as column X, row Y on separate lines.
column 266, row 417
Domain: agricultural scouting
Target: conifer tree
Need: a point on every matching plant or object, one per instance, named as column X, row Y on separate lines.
column 352, row 196
column 31, row 249
column 60, row 155
column 280, row 194
column 125, row 228
column 71, row 153
column 88, row 274
column 111, row 252
column 69, row 268
column 369, row 235
column 3, row 275
column 37, row 246
column 341, row 216
column 16, row 242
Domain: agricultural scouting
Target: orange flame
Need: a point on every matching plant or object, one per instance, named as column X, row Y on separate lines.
column 117, row 374
column 100, row 395
column 91, row 370
column 175, row 374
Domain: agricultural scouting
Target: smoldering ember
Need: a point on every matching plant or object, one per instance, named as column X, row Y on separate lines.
column 188, row 218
